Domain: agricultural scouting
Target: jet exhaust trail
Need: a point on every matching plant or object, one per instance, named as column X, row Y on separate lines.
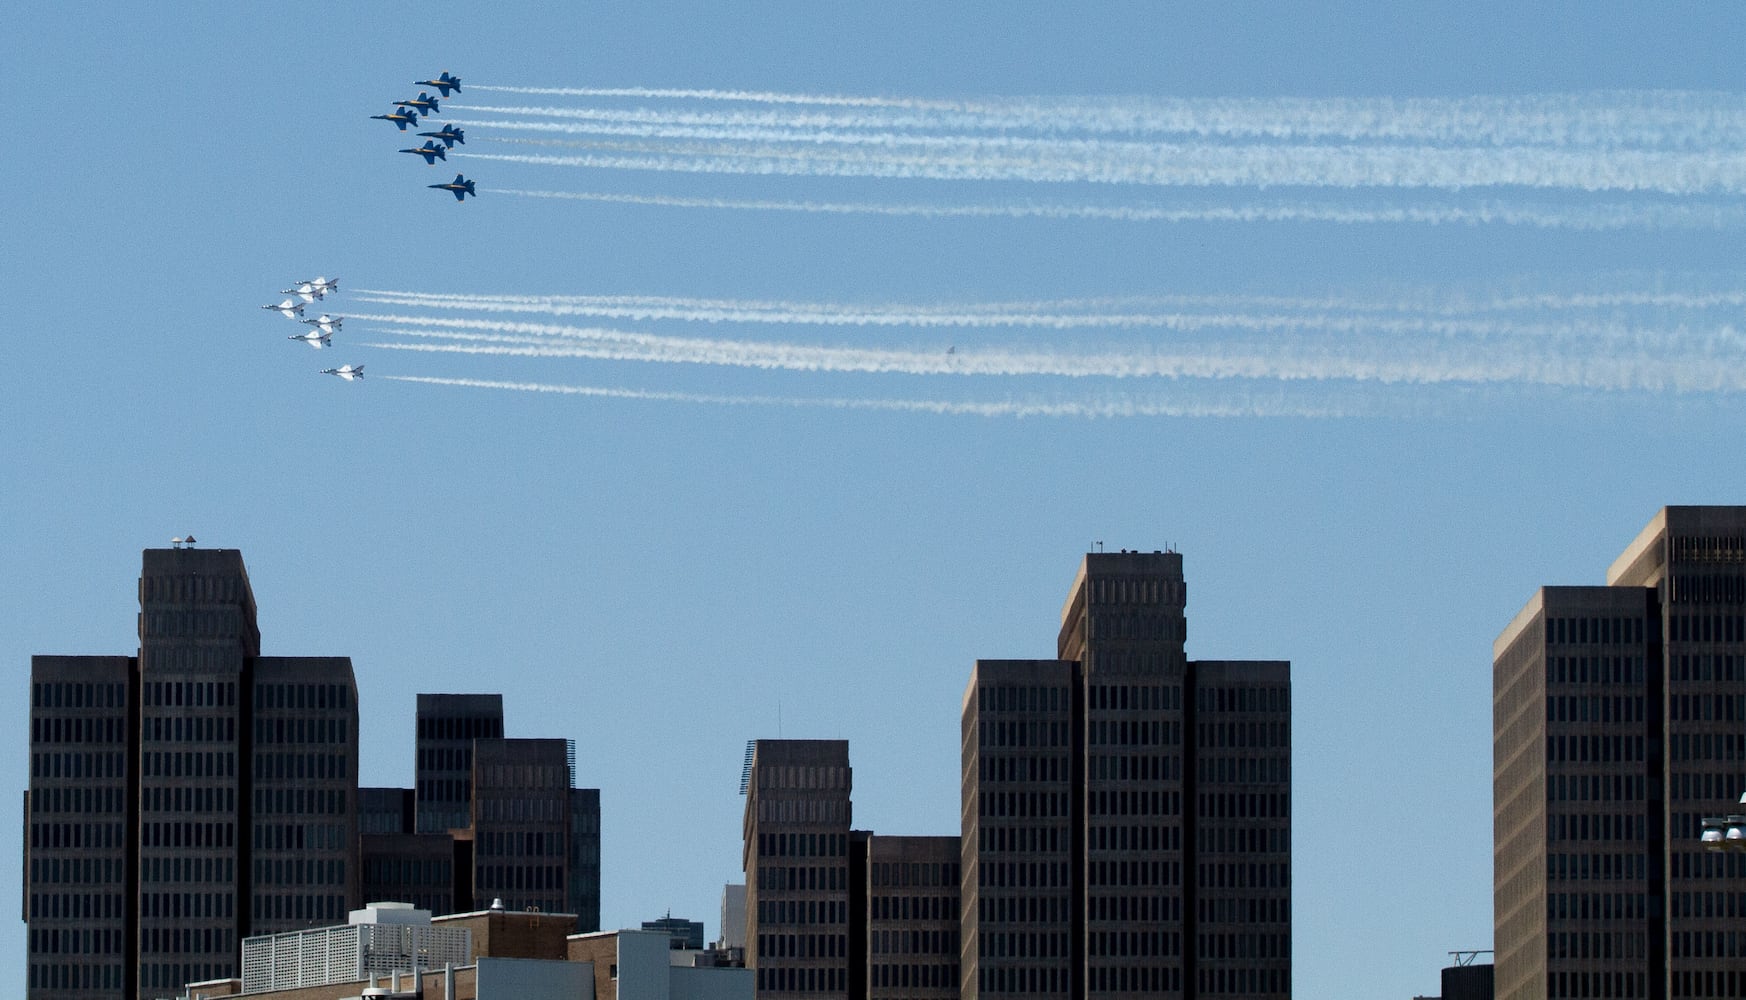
column 1619, row 215
column 1108, row 407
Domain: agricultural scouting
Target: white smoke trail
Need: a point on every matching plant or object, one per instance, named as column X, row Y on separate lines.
column 1332, row 360
column 1231, row 166
column 1108, row 407
column 1617, row 215
column 1605, row 119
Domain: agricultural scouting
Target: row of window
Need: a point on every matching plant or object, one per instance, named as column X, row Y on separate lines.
column 1245, row 839
column 914, row 907
column 1133, row 944
column 460, row 728
column 187, row 835
column 445, row 758
column 1595, row 670
column 1023, row 804
column 1706, row 588
column 1030, row 981
column 303, row 696
column 1601, row 631
column 1146, row 837
column 187, row 940
column 1021, row 839
column 803, row 945
column 188, row 764
column 1597, row 906
column 1241, row 805
column 87, row 764
column 75, row 835
column 206, row 798
column 187, row 905
column 905, row 874
column 1594, row 708
column 1690, row 862
column 1214, row 947
column 915, row 976
column 1603, row 867
column 1133, row 767
column 1708, row 747
column 1132, row 732
column 1245, row 875
column 1125, row 874
column 326, row 731
column 1707, row 707
column 1037, row 733
column 1596, row 944
column 1595, row 787
column 63, row 871
column 76, row 975
column 223, row 623
column 76, row 906
column 79, row 800
column 1709, row 904
column 915, row 941
column 1027, row 875
column 802, row 878
column 1134, row 697
column 1021, row 698
column 1706, row 667
column 1027, row 908
column 520, row 878
column 178, row 868
column 520, row 843
column 1268, row 910
column 802, row 845
column 190, row 694
column 1719, row 789
column 77, row 694
column 300, row 801
column 802, row 911
column 1592, row 749
column 1135, row 626
column 301, row 766
column 1244, row 734
column 81, row 729
column 1022, row 944
column 1595, row 826
column 495, row 808
column 75, row 940
column 814, row 811
column 1022, row 767
column 409, row 871
column 790, row 980
column 1150, row 908
column 302, row 908
column 1272, row 770
column 273, row 872
column 1242, row 699
column 188, row 729
column 1245, row 982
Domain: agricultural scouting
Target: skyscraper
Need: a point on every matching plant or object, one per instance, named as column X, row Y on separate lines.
column 796, row 860
column 1126, row 810
column 186, row 797
column 443, row 780
column 1619, row 720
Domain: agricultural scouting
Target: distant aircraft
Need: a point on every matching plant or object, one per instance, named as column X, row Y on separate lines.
column 288, row 309
column 347, row 372
column 305, row 291
column 314, row 338
column 423, row 104
column 401, row 119
column 321, row 285
column 460, row 186
column 430, row 151
column 326, row 324
column 448, row 134
column 442, row 83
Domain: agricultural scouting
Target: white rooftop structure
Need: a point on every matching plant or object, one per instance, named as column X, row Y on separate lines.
column 380, row 939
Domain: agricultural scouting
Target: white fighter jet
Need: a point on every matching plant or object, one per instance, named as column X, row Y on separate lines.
column 305, row 291
column 347, row 372
column 321, row 285
column 288, row 309
column 314, row 338
column 326, row 324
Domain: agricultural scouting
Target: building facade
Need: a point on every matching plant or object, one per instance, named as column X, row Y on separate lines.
column 186, row 797
column 796, row 860
column 1126, row 811
column 1619, row 721
column 904, row 921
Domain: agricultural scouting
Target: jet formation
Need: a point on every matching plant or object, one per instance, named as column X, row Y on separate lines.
column 407, row 113
column 323, row 327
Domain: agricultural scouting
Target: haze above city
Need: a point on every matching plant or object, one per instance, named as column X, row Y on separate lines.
column 849, row 330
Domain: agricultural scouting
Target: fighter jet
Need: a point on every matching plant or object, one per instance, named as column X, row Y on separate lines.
column 347, row 372
column 314, row 338
column 424, row 104
column 443, row 83
column 288, row 309
column 430, row 151
column 321, row 285
column 401, row 119
column 326, row 324
column 448, row 134
column 460, row 187
column 305, row 291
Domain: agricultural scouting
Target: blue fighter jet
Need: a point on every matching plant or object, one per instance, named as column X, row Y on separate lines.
column 460, row 187
column 443, row 83
column 424, row 104
column 430, row 151
column 448, row 134
column 401, row 119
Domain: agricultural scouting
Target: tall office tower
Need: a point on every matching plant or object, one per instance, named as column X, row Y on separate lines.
column 796, row 860
column 904, row 923
column 164, row 786
column 521, row 810
column 1126, row 810
column 1619, row 720
column 443, row 783
column 583, row 856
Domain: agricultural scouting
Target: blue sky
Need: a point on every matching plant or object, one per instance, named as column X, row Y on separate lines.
column 1370, row 439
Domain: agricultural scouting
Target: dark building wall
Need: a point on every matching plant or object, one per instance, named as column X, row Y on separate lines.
column 796, row 860
column 521, row 811
column 910, row 899
column 416, row 868
column 584, row 859
column 447, row 725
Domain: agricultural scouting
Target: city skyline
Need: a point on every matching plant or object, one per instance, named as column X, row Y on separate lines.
column 665, row 576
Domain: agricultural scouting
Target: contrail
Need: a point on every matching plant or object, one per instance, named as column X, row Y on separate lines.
column 1231, row 166
column 1259, row 405
column 1606, row 119
column 1290, row 361
column 1617, row 215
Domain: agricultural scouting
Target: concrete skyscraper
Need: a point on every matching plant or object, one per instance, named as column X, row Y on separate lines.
column 1126, row 810
column 1619, row 720
column 186, row 797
